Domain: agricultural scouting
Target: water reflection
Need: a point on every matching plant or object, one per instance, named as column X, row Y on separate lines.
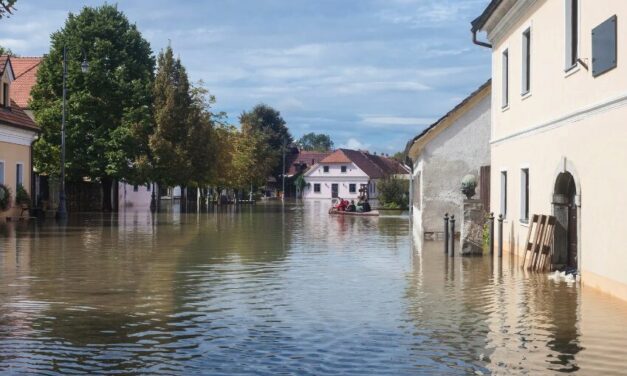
column 283, row 289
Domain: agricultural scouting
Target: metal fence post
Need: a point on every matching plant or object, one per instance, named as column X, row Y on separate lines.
column 491, row 233
column 446, row 233
column 452, row 241
column 500, row 235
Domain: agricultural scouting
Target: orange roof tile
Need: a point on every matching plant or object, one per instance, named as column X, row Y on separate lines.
column 25, row 69
column 336, row 157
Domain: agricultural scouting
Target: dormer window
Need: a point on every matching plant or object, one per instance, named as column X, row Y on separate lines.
column 343, row 169
column 6, row 99
column 325, row 169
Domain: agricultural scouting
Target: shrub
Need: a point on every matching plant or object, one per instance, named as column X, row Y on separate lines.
column 21, row 196
column 394, row 191
column 5, row 197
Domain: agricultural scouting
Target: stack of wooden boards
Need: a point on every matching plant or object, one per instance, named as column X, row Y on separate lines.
column 539, row 244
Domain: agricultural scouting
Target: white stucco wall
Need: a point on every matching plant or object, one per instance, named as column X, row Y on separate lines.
column 571, row 122
column 353, row 175
column 459, row 150
column 127, row 197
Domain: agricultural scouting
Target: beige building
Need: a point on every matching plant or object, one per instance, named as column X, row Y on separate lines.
column 17, row 133
column 559, row 138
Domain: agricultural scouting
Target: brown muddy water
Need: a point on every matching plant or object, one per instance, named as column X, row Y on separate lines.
column 273, row 289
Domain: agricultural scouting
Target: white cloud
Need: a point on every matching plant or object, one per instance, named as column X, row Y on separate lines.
column 395, row 120
column 355, row 144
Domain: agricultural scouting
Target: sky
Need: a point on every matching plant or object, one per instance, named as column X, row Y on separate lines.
column 370, row 73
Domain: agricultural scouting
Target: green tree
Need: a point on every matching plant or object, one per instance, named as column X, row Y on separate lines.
column 7, row 7
column 6, row 51
column 109, row 107
column 173, row 106
column 393, row 193
column 315, row 142
column 267, row 120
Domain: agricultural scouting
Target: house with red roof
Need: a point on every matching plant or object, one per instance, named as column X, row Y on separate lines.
column 18, row 131
column 344, row 172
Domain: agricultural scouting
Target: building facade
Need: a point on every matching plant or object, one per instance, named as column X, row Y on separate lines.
column 456, row 145
column 344, row 172
column 17, row 134
column 559, row 140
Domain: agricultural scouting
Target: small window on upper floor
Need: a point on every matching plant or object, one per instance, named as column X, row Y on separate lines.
column 135, row 188
column 505, row 78
column 344, row 169
column 6, row 98
column 572, row 33
column 526, row 62
column 325, row 169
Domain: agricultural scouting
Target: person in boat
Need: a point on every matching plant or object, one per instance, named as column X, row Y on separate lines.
column 342, row 205
column 366, row 207
column 351, row 208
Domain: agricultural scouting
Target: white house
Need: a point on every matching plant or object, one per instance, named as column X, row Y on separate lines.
column 344, row 172
column 456, row 145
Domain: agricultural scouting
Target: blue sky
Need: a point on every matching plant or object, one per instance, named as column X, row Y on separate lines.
column 371, row 73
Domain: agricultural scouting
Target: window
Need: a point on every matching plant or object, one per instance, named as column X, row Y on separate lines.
column 1, row 172
column 604, row 47
column 343, row 169
column 135, row 188
column 526, row 62
column 373, row 187
column 325, row 169
column 504, row 193
column 352, row 188
column 572, row 33
column 19, row 175
column 524, row 195
column 317, row 188
column 5, row 95
column 416, row 195
column 148, row 187
column 505, row 67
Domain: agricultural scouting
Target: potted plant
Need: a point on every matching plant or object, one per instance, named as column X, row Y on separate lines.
column 22, row 198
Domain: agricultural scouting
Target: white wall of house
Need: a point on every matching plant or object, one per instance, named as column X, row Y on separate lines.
column 570, row 122
column 352, row 176
column 459, row 150
column 136, row 196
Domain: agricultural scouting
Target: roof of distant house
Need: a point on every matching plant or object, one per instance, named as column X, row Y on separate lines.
column 5, row 62
column 25, row 69
column 375, row 166
column 302, row 160
column 14, row 115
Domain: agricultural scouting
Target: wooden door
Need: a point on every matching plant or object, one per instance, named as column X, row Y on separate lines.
column 572, row 235
column 335, row 190
column 484, row 186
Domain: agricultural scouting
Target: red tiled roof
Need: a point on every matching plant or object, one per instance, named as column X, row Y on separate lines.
column 16, row 117
column 25, row 69
column 337, row 156
column 302, row 160
column 376, row 167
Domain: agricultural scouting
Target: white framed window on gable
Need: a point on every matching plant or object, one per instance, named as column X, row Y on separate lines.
column 526, row 62
column 505, row 78
column 571, row 33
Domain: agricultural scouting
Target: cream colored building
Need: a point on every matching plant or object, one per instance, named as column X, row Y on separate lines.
column 17, row 133
column 559, row 132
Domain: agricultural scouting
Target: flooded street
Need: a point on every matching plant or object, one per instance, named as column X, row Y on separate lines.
column 284, row 290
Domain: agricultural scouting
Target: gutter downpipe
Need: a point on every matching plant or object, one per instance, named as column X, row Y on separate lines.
column 478, row 42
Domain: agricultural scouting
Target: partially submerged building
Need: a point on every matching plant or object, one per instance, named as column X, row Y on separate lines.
column 456, row 145
column 559, row 139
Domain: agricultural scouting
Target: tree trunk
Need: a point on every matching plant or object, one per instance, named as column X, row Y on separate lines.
column 107, row 183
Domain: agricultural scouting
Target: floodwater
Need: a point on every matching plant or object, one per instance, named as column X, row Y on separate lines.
column 270, row 290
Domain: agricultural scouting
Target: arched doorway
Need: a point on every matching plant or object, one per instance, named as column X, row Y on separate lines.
column 566, row 230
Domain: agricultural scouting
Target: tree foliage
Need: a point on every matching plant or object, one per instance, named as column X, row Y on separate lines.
column 7, row 7
column 315, row 142
column 108, row 108
column 393, row 192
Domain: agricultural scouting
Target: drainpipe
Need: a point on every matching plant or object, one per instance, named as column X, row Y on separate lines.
column 478, row 42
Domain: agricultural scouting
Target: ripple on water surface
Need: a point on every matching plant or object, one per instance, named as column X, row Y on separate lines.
column 284, row 290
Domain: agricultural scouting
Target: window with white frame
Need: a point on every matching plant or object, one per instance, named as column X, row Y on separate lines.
column 505, row 77
column 524, row 195
column 504, row 193
column 316, row 188
column 325, row 169
column 343, row 169
column 572, row 33
column 19, row 175
column 526, row 62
